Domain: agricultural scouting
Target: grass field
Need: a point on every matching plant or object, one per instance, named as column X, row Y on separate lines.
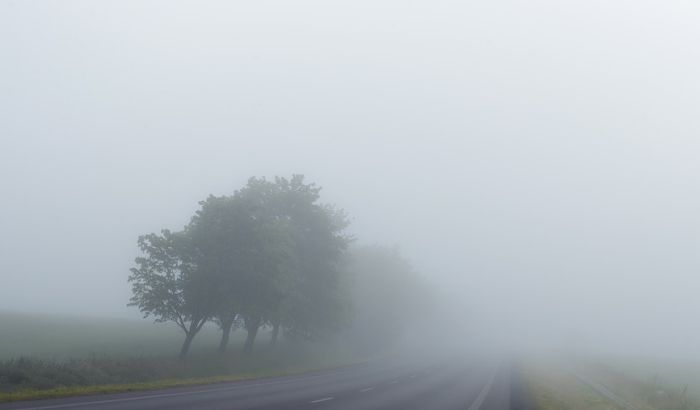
column 642, row 384
column 59, row 337
column 553, row 388
column 63, row 355
column 673, row 374
column 55, row 356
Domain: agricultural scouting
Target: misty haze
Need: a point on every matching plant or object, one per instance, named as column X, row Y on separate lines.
column 349, row 204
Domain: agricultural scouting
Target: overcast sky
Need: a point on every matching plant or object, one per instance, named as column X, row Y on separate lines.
column 540, row 159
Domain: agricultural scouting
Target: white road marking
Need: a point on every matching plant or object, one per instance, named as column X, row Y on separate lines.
column 366, row 389
column 321, row 400
column 393, row 382
column 412, row 376
column 484, row 391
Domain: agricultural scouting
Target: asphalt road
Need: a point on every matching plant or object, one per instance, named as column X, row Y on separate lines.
column 445, row 384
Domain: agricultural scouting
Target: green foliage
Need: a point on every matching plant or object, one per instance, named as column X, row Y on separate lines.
column 268, row 254
column 169, row 283
column 233, row 241
column 311, row 303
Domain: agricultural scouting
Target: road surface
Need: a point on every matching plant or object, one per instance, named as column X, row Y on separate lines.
column 446, row 384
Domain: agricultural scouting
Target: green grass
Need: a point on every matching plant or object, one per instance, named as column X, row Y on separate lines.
column 665, row 373
column 35, row 394
column 54, row 356
column 261, row 372
column 652, row 383
column 552, row 385
column 54, row 336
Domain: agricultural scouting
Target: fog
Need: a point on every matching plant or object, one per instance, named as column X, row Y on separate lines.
column 537, row 161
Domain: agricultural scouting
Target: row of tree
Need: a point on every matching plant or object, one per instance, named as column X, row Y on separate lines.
column 271, row 254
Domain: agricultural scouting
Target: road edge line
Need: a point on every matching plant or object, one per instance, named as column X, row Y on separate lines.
column 484, row 392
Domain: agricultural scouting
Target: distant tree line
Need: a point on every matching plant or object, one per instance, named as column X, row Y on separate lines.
column 270, row 255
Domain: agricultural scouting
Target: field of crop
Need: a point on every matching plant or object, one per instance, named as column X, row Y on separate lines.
column 53, row 356
column 60, row 337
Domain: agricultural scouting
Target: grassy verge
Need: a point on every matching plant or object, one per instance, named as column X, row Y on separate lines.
column 642, row 393
column 672, row 376
column 552, row 384
column 46, row 356
column 550, row 387
column 36, row 394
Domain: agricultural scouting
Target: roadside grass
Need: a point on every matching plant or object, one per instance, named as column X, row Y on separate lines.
column 679, row 376
column 94, row 389
column 552, row 385
column 34, row 394
column 25, row 379
column 648, row 391
column 552, row 388
column 50, row 357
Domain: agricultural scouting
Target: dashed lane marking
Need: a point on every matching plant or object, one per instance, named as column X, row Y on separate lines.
column 321, row 400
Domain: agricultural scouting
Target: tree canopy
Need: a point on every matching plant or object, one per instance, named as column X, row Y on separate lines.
column 169, row 283
column 268, row 254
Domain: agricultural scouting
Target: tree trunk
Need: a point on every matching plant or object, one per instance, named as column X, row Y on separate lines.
column 252, row 327
column 194, row 328
column 226, row 328
column 186, row 345
column 275, row 333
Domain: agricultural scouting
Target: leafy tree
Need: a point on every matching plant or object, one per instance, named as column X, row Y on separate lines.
column 242, row 246
column 169, row 284
column 267, row 255
column 292, row 281
column 222, row 232
column 312, row 304
column 268, row 276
